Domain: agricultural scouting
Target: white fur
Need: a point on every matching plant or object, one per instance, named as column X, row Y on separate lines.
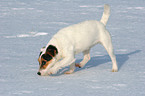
column 80, row 38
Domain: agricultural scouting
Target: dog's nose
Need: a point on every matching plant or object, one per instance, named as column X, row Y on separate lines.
column 39, row 73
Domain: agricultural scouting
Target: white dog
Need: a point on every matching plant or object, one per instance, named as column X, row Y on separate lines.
column 61, row 49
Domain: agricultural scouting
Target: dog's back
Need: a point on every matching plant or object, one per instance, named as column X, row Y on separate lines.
column 81, row 35
column 84, row 34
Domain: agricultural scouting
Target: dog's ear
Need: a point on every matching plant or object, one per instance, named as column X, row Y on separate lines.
column 42, row 49
column 52, row 50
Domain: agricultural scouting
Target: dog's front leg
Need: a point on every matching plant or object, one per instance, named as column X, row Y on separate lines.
column 63, row 63
column 72, row 68
column 85, row 60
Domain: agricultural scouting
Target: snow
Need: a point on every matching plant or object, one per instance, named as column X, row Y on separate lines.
column 27, row 25
column 30, row 34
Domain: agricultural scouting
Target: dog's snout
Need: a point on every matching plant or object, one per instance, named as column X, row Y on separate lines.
column 39, row 73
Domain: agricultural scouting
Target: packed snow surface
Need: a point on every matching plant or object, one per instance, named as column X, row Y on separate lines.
column 27, row 25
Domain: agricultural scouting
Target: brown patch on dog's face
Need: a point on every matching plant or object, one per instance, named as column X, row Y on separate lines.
column 46, row 58
column 44, row 63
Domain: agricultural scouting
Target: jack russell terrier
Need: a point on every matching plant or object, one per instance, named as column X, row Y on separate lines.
column 61, row 49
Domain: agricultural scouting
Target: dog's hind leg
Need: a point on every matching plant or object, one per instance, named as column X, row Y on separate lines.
column 85, row 60
column 107, row 43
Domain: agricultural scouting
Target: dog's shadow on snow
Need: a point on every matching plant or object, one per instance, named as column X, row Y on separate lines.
column 98, row 60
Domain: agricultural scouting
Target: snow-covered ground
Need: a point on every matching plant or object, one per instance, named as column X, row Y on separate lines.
column 27, row 25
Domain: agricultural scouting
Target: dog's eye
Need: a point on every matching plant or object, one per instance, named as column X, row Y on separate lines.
column 43, row 63
column 47, row 57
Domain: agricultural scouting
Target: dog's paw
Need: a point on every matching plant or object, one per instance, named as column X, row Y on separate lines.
column 69, row 72
column 52, row 71
column 114, row 70
column 78, row 65
column 49, row 73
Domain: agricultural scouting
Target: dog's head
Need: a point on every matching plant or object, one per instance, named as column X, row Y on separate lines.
column 46, row 59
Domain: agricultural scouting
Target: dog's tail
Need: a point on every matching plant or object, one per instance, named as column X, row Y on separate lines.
column 106, row 14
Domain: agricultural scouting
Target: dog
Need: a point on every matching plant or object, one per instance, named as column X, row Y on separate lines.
column 61, row 49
